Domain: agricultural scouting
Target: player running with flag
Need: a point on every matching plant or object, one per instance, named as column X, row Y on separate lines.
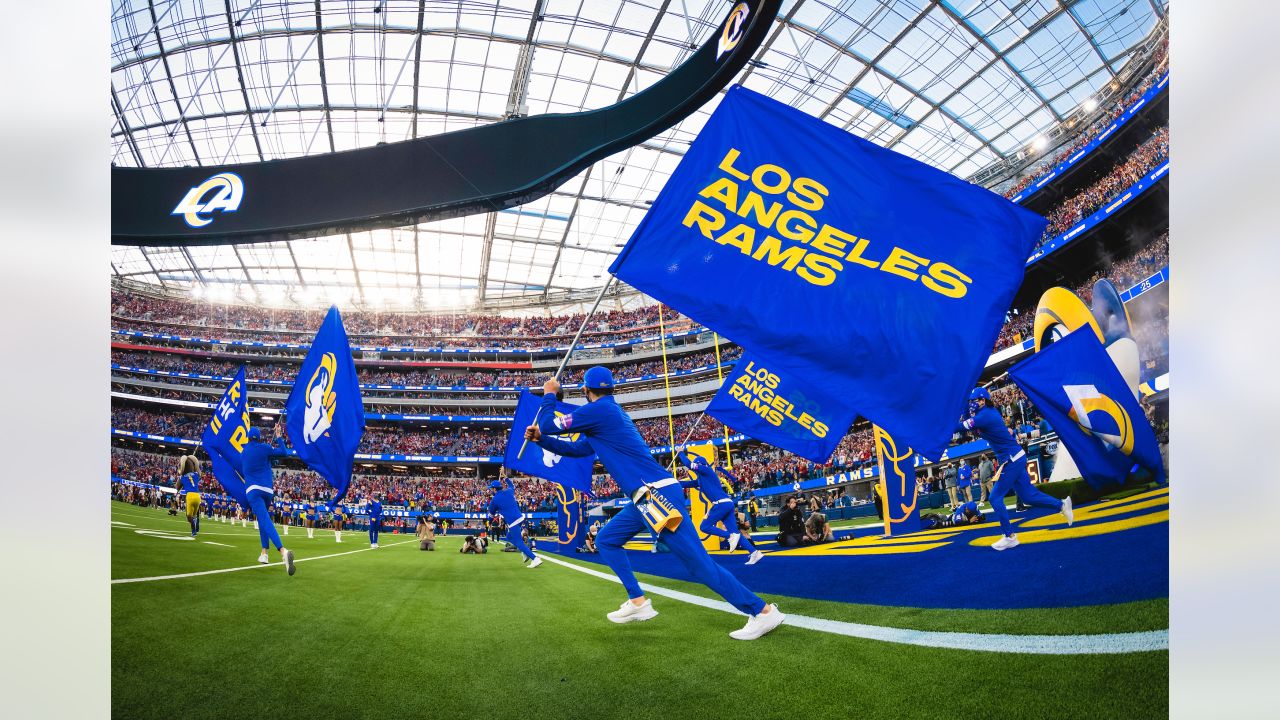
column 721, row 509
column 504, row 503
column 260, row 490
column 657, row 500
column 987, row 422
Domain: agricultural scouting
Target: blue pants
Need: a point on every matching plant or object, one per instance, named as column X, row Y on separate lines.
column 684, row 544
column 258, row 500
column 515, row 537
column 723, row 513
column 374, row 526
column 1013, row 476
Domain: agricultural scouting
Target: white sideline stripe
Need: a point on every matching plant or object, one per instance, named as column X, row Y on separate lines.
column 255, row 566
column 210, row 542
column 1104, row 644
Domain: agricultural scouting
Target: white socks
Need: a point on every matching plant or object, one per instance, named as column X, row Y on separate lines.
column 338, row 534
column 311, row 532
column 286, row 529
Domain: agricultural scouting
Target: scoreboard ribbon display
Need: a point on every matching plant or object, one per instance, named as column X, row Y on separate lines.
column 478, row 170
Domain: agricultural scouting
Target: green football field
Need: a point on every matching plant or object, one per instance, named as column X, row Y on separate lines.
column 395, row 632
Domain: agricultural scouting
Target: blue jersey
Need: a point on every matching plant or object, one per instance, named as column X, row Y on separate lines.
column 375, row 510
column 310, row 511
column 991, row 427
column 504, row 503
column 962, row 513
column 708, row 480
column 190, row 483
column 256, row 462
column 965, row 476
column 608, row 432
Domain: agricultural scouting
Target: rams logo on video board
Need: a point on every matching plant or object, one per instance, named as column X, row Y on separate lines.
column 1100, row 415
column 733, row 29
column 229, row 192
column 321, row 399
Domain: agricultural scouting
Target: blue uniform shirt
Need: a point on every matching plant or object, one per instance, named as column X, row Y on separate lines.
column 609, row 433
column 991, row 427
column 708, row 480
column 256, row 462
column 961, row 514
column 965, row 476
column 504, row 503
column 375, row 510
column 190, row 483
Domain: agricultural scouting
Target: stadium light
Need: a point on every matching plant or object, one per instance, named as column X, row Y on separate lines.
column 1090, row 104
column 197, row 290
column 1040, row 143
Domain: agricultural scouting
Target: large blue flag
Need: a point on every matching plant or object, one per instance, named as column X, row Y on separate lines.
column 781, row 410
column 1076, row 386
column 572, row 473
column 324, row 414
column 226, row 435
column 868, row 274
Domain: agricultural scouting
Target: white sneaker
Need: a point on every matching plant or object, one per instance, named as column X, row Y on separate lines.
column 759, row 625
column 1006, row 542
column 1067, row 512
column 375, row 546
column 538, row 561
column 288, row 560
column 733, row 541
column 262, row 559
column 630, row 612
column 756, row 557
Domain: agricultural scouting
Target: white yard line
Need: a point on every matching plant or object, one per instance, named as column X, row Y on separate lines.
column 1102, row 644
column 246, row 567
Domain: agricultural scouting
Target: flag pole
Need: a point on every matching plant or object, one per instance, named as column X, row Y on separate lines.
column 569, row 353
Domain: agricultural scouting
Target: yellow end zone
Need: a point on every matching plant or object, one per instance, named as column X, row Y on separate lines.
column 1093, row 512
column 1078, row 531
column 844, row 548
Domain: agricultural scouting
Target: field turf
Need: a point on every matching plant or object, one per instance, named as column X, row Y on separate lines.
column 396, row 632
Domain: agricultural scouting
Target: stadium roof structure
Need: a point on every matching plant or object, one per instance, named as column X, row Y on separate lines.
column 959, row 84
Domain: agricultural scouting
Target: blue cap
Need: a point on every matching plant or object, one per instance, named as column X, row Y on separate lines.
column 496, row 484
column 980, row 393
column 597, row 377
column 255, row 434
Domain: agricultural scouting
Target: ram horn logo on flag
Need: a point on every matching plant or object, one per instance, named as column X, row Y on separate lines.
column 1076, row 386
column 226, row 435
column 829, row 259
column 325, row 413
column 571, row 472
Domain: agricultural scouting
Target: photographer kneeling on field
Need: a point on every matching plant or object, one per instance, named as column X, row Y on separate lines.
column 791, row 530
column 818, row 530
column 472, row 544
column 426, row 534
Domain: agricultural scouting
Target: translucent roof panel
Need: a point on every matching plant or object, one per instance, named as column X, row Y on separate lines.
column 958, row 84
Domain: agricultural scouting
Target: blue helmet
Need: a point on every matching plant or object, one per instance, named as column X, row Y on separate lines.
column 696, row 460
column 496, row 485
column 597, row 378
column 255, row 434
column 978, row 393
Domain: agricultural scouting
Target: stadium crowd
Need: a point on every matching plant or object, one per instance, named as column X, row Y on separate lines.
column 1142, row 160
column 1087, row 135
column 135, row 311
column 173, row 362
